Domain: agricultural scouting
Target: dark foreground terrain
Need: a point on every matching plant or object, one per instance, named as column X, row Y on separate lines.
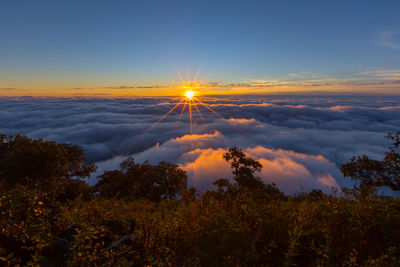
column 143, row 214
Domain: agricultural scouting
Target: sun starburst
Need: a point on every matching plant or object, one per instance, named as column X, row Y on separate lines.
column 189, row 94
column 190, row 98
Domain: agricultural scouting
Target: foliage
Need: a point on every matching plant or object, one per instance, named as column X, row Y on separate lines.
column 137, row 220
column 53, row 168
column 26, row 221
column 374, row 172
column 244, row 168
column 38, row 160
column 154, row 182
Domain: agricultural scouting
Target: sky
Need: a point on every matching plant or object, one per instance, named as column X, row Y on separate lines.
column 137, row 48
column 301, row 86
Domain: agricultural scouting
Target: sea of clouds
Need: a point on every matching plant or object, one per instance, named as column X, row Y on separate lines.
column 300, row 140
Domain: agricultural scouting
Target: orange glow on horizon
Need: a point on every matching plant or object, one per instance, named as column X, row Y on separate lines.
column 182, row 88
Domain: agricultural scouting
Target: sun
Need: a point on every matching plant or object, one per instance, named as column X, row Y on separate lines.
column 190, row 100
column 189, row 94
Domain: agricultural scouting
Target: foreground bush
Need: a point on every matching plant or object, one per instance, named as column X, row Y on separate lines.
column 247, row 223
column 239, row 229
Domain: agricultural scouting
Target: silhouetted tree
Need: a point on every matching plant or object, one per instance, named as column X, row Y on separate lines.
column 244, row 168
column 188, row 195
column 133, row 180
column 44, row 164
column 371, row 172
column 38, row 160
column 222, row 183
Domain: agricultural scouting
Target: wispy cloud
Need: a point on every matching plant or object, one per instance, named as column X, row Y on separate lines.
column 387, row 39
column 388, row 74
column 366, row 81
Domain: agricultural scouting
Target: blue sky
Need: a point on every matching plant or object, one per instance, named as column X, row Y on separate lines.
column 64, row 44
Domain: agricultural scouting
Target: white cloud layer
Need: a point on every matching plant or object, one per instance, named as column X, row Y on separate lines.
column 301, row 141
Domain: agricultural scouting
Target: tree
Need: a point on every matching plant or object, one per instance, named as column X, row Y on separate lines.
column 222, row 183
column 22, row 157
column 134, row 180
column 244, row 168
column 371, row 172
column 42, row 163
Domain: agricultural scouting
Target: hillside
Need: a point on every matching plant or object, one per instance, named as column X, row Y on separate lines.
column 144, row 214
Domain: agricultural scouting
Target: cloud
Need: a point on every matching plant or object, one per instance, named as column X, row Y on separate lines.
column 303, row 82
column 386, row 74
column 241, row 121
column 290, row 171
column 291, row 133
column 387, row 39
column 201, row 157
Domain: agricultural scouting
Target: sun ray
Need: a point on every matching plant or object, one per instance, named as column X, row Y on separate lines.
column 190, row 116
column 183, row 110
column 187, row 72
column 198, row 73
column 210, row 109
column 196, row 78
column 216, row 113
column 157, row 122
column 178, row 73
column 181, row 113
column 198, row 111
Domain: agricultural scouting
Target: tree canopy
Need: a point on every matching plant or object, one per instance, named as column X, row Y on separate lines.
column 24, row 160
column 136, row 219
column 134, row 180
column 244, row 168
column 372, row 172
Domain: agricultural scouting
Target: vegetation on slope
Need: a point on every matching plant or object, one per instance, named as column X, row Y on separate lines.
column 144, row 214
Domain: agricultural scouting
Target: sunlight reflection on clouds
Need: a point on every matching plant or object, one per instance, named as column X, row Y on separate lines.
column 325, row 130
